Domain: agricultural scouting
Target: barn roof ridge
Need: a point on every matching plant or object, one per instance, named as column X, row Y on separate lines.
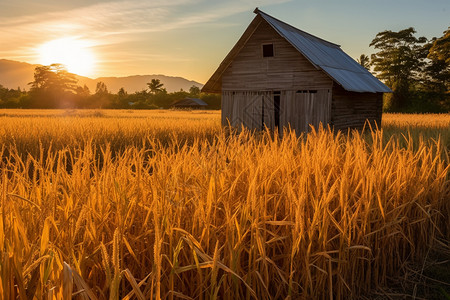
column 258, row 11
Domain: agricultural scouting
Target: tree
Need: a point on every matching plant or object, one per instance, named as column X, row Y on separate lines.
column 10, row 98
column 364, row 61
column 122, row 98
column 101, row 88
column 441, row 48
column 194, row 90
column 122, row 93
column 437, row 71
column 53, row 77
column 398, row 62
column 83, row 91
column 155, row 86
column 102, row 98
column 52, row 86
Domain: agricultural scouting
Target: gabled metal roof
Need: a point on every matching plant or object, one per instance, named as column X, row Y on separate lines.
column 324, row 55
column 329, row 57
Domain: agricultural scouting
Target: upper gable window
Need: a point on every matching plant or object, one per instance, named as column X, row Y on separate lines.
column 267, row 50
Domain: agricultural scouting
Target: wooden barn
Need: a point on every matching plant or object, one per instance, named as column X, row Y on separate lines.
column 277, row 75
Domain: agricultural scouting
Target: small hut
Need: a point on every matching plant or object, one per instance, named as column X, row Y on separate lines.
column 192, row 103
column 277, row 75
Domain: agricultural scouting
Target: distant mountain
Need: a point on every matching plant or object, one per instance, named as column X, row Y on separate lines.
column 15, row 74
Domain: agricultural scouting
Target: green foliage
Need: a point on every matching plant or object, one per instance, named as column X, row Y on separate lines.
column 441, row 48
column 45, row 95
column 416, row 70
column 437, row 72
column 10, row 98
column 398, row 62
column 121, row 99
column 213, row 100
column 194, row 91
column 155, row 86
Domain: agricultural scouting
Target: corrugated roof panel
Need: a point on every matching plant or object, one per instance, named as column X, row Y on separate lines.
column 199, row 101
column 355, row 81
column 329, row 57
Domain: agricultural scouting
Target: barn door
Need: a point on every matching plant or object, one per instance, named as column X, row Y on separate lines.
column 305, row 108
column 276, row 111
column 270, row 110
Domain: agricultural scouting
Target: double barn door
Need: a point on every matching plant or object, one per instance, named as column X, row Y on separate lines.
column 277, row 109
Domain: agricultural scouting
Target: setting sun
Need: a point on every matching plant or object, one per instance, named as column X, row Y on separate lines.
column 75, row 54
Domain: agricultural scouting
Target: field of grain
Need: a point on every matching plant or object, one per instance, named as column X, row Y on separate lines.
column 167, row 204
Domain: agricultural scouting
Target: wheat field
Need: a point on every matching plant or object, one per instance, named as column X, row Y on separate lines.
column 169, row 205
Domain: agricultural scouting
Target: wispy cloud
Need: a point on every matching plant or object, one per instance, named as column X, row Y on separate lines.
column 106, row 21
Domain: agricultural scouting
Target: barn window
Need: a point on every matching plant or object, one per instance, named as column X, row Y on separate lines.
column 268, row 50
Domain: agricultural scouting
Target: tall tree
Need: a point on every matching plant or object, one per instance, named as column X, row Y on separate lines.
column 102, row 98
column 441, row 47
column 53, row 77
column 194, row 90
column 101, row 88
column 398, row 62
column 51, row 85
column 122, row 98
column 155, row 86
column 437, row 71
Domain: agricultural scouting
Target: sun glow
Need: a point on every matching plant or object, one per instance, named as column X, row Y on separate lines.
column 74, row 53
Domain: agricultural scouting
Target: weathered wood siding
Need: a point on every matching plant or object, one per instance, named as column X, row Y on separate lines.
column 300, row 110
column 351, row 110
column 286, row 70
column 246, row 108
column 256, row 110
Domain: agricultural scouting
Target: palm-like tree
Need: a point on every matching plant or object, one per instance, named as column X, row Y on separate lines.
column 155, row 86
column 364, row 61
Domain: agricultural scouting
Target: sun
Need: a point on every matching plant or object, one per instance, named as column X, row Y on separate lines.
column 75, row 54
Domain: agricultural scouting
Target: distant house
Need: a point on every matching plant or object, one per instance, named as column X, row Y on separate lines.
column 277, row 75
column 192, row 103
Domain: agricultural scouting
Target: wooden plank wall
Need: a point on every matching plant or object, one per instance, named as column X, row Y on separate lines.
column 298, row 110
column 301, row 110
column 246, row 109
column 286, row 70
column 351, row 110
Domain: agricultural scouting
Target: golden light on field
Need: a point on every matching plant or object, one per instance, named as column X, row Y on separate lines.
column 75, row 54
column 163, row 201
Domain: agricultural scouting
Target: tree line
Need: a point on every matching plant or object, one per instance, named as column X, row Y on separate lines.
column 54, row 87
column 416, row 69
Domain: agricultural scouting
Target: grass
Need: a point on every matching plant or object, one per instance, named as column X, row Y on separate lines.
column 166, row 204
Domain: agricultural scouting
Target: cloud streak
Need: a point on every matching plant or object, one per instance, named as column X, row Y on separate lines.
column 109, row 20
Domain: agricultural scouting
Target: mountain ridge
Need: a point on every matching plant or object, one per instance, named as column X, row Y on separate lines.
column 14, row 74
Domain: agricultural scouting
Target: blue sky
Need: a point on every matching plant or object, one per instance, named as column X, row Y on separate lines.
column 190, row 38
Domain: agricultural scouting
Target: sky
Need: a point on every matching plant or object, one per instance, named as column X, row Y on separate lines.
column 189, row 38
